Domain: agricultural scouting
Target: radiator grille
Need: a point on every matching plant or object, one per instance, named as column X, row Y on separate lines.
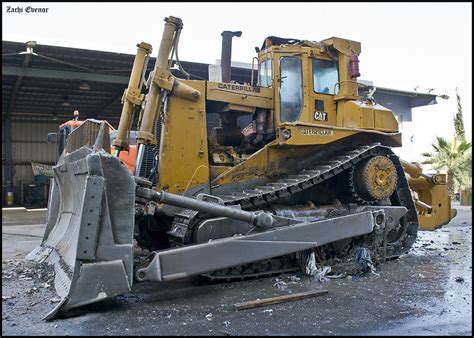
column 151, row 155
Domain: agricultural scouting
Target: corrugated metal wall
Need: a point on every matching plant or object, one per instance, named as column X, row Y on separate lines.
column 29, row 145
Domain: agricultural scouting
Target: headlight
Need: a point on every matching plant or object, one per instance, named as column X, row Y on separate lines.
column 286, row 133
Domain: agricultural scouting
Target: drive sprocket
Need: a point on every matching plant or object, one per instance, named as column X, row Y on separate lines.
column 374, row 179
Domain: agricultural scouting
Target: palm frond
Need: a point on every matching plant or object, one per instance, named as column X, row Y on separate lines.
column 442, row 143
column 464, row 146
column 454, row 156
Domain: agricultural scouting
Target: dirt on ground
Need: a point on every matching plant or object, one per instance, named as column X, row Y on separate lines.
column 427, row 292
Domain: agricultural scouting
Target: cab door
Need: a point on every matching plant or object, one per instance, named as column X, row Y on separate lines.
column 289, row 89
column 324, row 76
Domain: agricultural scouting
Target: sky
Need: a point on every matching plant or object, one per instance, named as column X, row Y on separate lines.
column 404, row 45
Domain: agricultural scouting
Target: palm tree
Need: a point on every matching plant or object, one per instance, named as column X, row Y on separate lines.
column 454, row 157
column 458, row 120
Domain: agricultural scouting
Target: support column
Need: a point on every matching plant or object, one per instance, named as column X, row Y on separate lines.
column 7, row 134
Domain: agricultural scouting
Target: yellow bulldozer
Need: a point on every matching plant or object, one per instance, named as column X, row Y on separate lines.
column 298, row 164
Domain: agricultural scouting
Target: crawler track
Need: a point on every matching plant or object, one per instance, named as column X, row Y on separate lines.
column 398, row 241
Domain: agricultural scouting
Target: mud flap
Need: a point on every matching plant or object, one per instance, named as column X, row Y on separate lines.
column 89, row 233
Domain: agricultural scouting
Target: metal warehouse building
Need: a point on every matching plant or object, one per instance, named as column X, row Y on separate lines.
column 43, row 85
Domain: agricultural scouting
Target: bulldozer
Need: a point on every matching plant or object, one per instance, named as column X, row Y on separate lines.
column 234, row 180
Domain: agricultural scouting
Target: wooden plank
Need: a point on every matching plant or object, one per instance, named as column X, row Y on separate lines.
column 279, row 299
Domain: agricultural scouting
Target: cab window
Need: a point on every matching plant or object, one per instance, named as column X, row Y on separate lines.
column 291, row 89
column 325, row 76
column 265, row 73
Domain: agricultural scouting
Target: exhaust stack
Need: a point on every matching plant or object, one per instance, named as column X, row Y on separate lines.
column 226, row 54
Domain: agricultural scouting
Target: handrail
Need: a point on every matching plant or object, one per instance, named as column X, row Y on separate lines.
column 351, row 81
column 251, row 78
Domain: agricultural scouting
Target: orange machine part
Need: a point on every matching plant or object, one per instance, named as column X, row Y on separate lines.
column 128, row 157
column 71, row 123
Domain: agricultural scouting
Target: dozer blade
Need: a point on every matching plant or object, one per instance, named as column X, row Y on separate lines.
column 89, row 232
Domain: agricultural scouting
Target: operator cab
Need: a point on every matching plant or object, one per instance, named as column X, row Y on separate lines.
column 308, row 78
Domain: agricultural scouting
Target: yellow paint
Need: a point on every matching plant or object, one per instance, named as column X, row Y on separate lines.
column 271, row 161
column 437, row 197
column 256, row 166
column 382, row 177
column 249, row 96
column 356, row 114
column 184, row 160
column 311, row 134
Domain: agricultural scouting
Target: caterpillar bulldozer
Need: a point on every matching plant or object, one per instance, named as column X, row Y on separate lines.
column 297, row 163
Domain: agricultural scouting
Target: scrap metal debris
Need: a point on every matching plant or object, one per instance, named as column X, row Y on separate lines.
column 319, row 273
column 363, row 259
column 281, row 285
column 311, row 268
column 284, row 281
column 294, row 278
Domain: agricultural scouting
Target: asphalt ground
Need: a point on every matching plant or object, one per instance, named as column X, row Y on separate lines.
column 427, row 292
